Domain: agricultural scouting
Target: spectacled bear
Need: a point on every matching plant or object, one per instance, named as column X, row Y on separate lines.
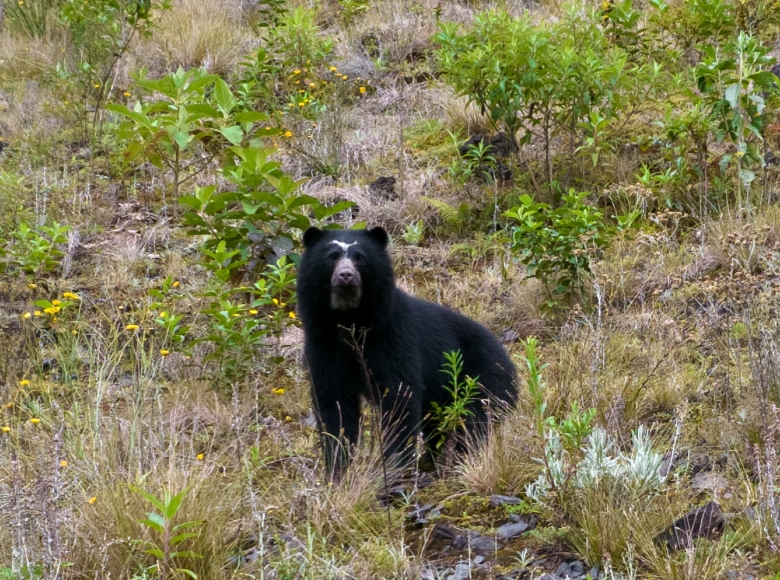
column 366, row 339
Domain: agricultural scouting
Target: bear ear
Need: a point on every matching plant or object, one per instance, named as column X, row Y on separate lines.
column 312, row 236
column 378, row 234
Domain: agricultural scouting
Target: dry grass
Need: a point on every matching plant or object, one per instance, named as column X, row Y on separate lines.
column 503, row 464
column 208, row 34
column 22, row 57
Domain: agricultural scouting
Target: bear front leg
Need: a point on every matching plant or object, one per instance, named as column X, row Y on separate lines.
column 401, row 414
column 335, row 394
column 339, row 426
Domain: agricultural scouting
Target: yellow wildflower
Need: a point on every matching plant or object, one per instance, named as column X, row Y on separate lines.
column 96, row 85
column 176, row 284
column 275, row 301
column 55, row 302
column 288, row 134
column 31, row 286
column 35, row 420
column 343, row 77
column 63, row 463
column 127, row 94
column 279, row 391
column 24, row 383
column 71, row 296
column 92, row 500
column 200, row 456
column 131, row 327
column 163, row 314
column 288, row 418
column 37, row 313
column 297, row 71
column 27, row 315
column 333, row 69
column 74, row 332
column 164, row 352
column 52, row 310
column 362, row 90
column 253, row 311
column 291, row 315
column 6, row 429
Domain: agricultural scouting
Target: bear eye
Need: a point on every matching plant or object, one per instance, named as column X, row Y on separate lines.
column 359, row 256
column 333, row 256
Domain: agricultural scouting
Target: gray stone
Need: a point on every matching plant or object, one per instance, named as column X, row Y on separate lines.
column 713, row 482
column 499, row 500
column 479, row 559
column 594, row 572
column 483, row 545
column 562, row 571
column 576, row 569
column 462, row 572
column 511, row 530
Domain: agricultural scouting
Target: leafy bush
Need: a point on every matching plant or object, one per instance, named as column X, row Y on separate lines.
column 236, row 328
column 558, row 244
column 35, row 251
column 289, row 69
column 546, row 78
column 732, row 82
column 257, row 218
column 101, row 31
column 183, row 113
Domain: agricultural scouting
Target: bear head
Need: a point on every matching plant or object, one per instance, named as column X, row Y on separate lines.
column 348, row 269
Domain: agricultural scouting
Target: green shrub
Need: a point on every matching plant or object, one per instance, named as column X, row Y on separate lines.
column 558, row 244
column 565, row 77
column 188, row 108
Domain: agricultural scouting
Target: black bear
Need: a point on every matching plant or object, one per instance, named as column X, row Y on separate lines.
column 366, row 339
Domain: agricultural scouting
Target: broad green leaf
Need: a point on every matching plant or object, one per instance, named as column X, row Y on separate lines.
column 250, row 117
column 732, row 95
column 182, row 139
column 223, row 97
column 233, row 134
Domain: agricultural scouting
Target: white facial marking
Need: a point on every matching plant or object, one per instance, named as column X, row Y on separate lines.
column 343, row 245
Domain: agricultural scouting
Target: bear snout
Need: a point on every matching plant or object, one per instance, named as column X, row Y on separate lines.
column 345, row 285
column 345, row 274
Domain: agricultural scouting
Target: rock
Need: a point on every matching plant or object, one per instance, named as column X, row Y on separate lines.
column 462, row 572
column 576, row 569
column 499, row 500
column 704, row 522
column 713, row 482
column 482, row 545
column 594, row 572
column 479, row 559
column 572, row 570
column 383, row 187
column 445, row 532
column 511, row 530
column 500, row 144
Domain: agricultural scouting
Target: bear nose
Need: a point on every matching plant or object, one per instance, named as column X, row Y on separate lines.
column 346, row 276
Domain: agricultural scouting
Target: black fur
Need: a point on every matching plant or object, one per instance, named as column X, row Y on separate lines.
column 384, row 346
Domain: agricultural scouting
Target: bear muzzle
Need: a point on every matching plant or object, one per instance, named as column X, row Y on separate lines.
column 345, row 285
